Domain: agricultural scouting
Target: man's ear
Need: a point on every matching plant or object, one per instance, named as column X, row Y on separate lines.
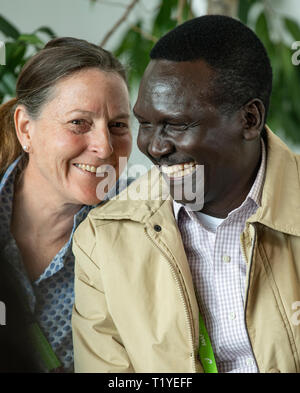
column 22, row 126
column 253, row 117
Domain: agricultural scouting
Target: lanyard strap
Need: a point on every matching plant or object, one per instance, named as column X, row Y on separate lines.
column 206, row 353
column 43, row 348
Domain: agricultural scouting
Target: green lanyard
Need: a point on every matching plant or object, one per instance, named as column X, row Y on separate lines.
column 206, row 353
column 43, row 348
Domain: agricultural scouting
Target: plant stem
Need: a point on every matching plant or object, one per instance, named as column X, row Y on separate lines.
column 119, row 22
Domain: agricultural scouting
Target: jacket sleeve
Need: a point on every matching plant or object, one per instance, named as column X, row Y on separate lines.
column 97, row 343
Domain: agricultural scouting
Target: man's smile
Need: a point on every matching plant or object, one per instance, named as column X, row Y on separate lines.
column 178, row 170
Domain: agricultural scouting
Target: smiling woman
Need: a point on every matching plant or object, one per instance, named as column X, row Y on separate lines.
column 70, row 117
column 84, row 126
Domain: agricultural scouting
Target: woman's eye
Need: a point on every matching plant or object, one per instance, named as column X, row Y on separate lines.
column 79, row 126
column 118, row 127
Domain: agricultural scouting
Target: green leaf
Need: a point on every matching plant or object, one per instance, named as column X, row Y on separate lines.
column 15, row 52
column 8, row 29
column 244, row 8
column 8, row 82
column 31, row 39
column 293, row 28
column 134, row 51
column 262, row 31
column 46, row 30
column 163, row 21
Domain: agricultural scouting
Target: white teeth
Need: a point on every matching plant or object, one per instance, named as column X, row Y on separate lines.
column 179, row 170
column 88, row 168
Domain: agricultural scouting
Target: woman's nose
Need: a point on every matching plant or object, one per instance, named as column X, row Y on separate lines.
column 100, row 142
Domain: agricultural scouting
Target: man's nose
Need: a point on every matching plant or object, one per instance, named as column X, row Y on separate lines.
column 100, row 142
column 159, row 146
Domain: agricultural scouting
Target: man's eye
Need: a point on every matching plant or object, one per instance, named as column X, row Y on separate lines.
column 144, row 124
column 176, row 127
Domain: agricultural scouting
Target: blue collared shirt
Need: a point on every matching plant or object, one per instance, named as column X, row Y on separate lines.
column 51, row 297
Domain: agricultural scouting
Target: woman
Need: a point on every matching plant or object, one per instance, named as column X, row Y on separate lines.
column 70, row 117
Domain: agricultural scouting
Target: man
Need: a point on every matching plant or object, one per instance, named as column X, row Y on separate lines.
column 162, row 287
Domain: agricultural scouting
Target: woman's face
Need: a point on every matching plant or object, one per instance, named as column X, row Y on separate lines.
column 86, row 122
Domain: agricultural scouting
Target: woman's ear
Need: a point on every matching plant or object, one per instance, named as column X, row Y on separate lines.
column 253, row 114
column 22, row 125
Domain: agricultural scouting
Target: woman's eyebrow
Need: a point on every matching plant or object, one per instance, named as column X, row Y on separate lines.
column 122, row 115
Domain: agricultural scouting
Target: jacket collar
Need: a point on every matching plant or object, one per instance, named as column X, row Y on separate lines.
column 139, row 201
column 280, row 201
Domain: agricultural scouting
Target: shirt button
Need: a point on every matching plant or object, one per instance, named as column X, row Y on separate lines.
column 157, row 228
column 226, row 258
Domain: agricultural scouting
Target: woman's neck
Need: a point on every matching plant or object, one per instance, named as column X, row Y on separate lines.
column 39, row 212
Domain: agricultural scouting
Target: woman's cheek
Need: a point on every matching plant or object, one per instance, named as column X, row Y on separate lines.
column 123, row 145
column 128, row 145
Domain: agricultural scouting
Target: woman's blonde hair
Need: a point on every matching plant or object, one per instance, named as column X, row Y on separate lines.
column 60, row 58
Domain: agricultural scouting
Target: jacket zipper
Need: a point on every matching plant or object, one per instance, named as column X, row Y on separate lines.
column 247, row 289
column 175, row 275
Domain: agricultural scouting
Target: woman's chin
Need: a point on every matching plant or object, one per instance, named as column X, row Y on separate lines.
column 90, row 201
column 84, row 197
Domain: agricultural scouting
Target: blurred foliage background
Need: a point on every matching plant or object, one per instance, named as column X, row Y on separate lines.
column 276, row 32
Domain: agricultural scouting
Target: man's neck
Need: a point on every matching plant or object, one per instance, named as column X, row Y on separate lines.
column 232, row 197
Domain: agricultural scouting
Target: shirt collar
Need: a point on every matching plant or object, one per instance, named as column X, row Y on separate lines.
column 254, row 193
column 11, row 172
column 256, row 189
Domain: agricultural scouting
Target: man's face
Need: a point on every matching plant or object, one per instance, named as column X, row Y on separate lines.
column 179, row 123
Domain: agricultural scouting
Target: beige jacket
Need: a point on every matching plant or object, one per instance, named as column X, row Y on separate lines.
column 135, row 307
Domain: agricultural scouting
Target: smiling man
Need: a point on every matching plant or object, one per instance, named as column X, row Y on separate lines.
column 164, row 286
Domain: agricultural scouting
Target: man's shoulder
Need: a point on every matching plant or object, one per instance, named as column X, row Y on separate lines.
column 280, row 202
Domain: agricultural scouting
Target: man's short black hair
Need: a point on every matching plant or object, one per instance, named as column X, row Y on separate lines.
column 232, row 49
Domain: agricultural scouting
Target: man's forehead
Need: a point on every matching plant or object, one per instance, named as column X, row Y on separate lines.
column 167, row 69
column 175, row 82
